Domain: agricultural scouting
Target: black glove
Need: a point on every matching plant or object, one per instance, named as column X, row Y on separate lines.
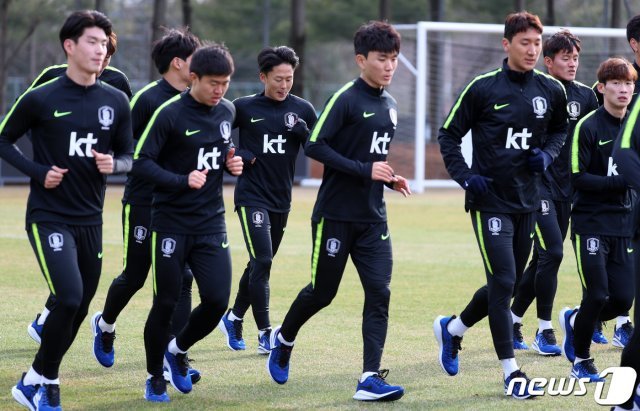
column 538, row 160
column 300, row 129
column 477, row 184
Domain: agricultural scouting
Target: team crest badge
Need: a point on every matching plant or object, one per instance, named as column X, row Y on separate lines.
column 393, row 115
column 56, row 241
column 333, row 246
column 106, row 116
column 544, row 207
column 495, row 225
column 539, row 106
column 140, row 233
column 593, row 244
column 290, row 120
column 257, row 218
column 573, row 108
column 168, row 247
column 225, row 130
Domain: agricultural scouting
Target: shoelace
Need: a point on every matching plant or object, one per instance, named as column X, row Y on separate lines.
column 237, row 326
column 53, row 395
column 517, row 332
column 107, row 341
column 519, row 374
column 588, row 366
column 183, row 364
column 285, row 355
column 550, row 336
column 456, row 346
column 158, row 385
column 379, row 378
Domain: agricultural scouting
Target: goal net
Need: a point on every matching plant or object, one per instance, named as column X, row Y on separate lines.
column 438, row 60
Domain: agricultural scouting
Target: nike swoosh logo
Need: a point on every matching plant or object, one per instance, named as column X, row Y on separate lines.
column 384, row 236
column 367, row 115
column 57, row 113
column 100, row 254
column 629, row 250
column 190, row 132
column 255, row 120
column 531, row 235
column 499, row 106
column 602, row 143
column 225, row 244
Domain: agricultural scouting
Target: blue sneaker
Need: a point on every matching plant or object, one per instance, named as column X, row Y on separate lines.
column 279, row 356
column 545, row 343
column 25, row 394
column 622, row 335
column 156, row 390
column 517, row 385
column 586, row 369
column 449, row 344
column 177, row 367
column 35, row 330
column 567, row 340
column 232, row 330
column 102, row 343
column 48, row 398
column 375, row 388
column 518, row 339
column 598, row 337
column 264, row 343
column 193, row 373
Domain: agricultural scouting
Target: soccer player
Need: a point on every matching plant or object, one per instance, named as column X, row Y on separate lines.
column 349, row 218
column 561, row 57
column 518, row 118
column 171, row 55
column 182, row 152
column 273, row 126
column 601, row 219
column 75, row 121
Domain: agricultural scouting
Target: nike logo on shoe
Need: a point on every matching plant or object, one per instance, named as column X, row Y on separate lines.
column 57, row 113
column 499, row 106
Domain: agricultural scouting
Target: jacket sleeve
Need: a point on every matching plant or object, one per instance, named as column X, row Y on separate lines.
column 123, row 142
column 625, row 152
column 558, row 124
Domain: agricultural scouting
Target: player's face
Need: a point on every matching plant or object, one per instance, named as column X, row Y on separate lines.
column 617, row 93
column 278, row 82
column 377, row 68
column 523, row 50
column 209, row 90
column 563, row 66
column 89, row 52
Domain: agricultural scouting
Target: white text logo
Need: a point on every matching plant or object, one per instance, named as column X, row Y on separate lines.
column 75, row 145
column 379, row 144
column 268, row 144
column 523, row 136
column 203, row 159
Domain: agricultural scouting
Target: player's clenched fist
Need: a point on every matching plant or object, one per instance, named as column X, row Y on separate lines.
column 197, row 179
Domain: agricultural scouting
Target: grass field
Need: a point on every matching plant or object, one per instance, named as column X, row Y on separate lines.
column 437, row 267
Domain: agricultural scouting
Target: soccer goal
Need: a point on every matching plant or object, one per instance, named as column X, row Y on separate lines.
column 437, row 61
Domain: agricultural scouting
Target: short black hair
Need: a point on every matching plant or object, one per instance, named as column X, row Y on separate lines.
column 376, row 36
column 212, row 60
column 633, row 28
column 112, row 44
column 519, row 23
column 616, row 68
column 80, row 20
column 179, row 43
column 269, row 57
column 563, row 40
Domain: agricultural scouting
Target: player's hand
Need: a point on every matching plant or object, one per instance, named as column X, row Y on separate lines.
column 54, row 177
column 197, row 179
column 382, row 171
column 234, row 162
column 104, row 162
column 402, row 185
column 300, row 129
column 538, row 160
column 477, row 184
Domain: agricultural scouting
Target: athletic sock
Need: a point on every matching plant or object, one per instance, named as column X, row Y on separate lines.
column 544, row 325
column 32, row 377
column 43, row 316
column 515, row 318
column 50, row 382
column 105, row 327
column 366, row 375
column 263, row 332
column 509, row 365
column 579, row 360
column 173, row 348
column 283, row 341
column 233, row 317
column 456, row 327
column 622, row 320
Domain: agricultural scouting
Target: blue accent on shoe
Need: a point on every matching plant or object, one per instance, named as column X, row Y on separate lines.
column 194, row 375
column 177, row 367
column 586, row 369
column 545, row 343
column 449, row 345
column 48, row 398
column 232, row 330
column 279, row 356
column 598, row 337
column 25, row 394
column 264, row 343
column 375, row 388
column 103, row 350
column 518, row 339
column 156, row 390
column 622, row 335
column 567, row 341
column 520, row 390
column 35, row 330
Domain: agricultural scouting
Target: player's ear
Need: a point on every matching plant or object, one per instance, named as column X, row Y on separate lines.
column 600, row 87
column 360, row 60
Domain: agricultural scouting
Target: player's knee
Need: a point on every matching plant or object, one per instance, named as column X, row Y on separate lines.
column 187, row 279
column 261, row 267
column 555, row 255
column 380, row 293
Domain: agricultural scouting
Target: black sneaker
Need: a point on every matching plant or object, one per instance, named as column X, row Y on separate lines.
column 48, row 397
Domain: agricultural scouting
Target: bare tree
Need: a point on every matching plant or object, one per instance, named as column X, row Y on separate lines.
column 4, row 11
column 385, row 10
column 101, row 6
column 519, row 5
column 157, row 23
column 551, row 13
column 436, row 71
column 297, row 38
column 186, row 13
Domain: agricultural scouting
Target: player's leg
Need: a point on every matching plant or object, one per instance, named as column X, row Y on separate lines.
column 631, row 352
column 620, row 275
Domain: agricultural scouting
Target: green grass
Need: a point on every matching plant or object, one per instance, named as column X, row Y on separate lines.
column 437, row 267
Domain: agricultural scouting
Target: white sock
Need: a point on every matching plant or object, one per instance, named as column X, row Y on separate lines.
column 366, row 375
column 509, row 365
column 544, row 325
column 50, row 382
column 232, row 317
column 263, row 332
column 515, row 318
column 622, row 320
column 32, row 377
column 107, row 328
column 579, row 360
column 572, row 320
column 285, row 342
column 173, row 348
column 456, row 327
column 43, row 316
